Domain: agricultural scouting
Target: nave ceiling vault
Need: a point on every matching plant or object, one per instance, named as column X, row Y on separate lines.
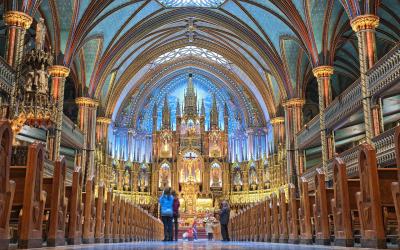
column 274, row 43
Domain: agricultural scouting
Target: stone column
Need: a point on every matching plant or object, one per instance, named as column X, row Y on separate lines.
column 102, row 174
column 58, row 74
column 17, row 23
column 278, row 124
column 323, row 75
column 87, row 123
column 377, row 119
column 365, row 26
column 293, row 120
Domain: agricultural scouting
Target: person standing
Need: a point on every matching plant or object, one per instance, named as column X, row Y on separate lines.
column 224, row 220
column 166, row 208
column 175, row 207
column 209, row 221
column 194, row 227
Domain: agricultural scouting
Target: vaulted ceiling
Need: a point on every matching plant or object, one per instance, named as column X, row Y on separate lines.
column 271, row 47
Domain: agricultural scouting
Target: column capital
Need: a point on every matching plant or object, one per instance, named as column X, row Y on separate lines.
column 294, row 102
column 323, row 71
column 364, row 22
column 58, row 71
column 104, row 120
column 277, row 120
column 17, row 18
column 86, row 101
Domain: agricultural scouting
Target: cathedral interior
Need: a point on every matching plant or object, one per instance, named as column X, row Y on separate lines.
column 289, row 110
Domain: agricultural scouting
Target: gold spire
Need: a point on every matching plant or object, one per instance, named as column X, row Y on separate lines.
column 166, row 115
column 190, row 101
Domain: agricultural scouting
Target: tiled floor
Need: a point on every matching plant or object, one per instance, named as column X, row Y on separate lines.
column 201, row 244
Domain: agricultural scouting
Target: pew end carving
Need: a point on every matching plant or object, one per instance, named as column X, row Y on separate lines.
column 7, row 186
column 74, row 194
column 30, row 198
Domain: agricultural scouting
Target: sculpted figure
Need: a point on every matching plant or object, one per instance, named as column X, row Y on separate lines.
column 40, row 34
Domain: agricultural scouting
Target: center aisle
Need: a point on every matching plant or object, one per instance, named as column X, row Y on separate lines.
column 200, row 244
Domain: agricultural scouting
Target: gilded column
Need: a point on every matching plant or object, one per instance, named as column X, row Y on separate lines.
column 87, row 123
column 278, row 124
column 58, row 74
column 377, row 122
column 365, row 26
column 293, row 120
column 102, row 124
column 17, row 23
column 323, row 75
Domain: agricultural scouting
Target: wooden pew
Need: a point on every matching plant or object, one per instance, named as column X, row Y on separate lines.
column 274, row 218
column 261, row 224
column 7, row 186
column 108, row 217
column 373, row 199
column 283, row 222
column 74, row 194
column 306, row 203
column 342, row 203
column 122, row 220
column 89, row 212
column 56, row 204
column 115, row 219
column 100, row 215
column 322, row 209
column 293, row 220
column 396, row 185
column 268, row 230
column 27, row 173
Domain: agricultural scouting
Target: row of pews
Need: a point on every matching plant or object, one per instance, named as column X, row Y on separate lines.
column 35, row 210
column 364, row 209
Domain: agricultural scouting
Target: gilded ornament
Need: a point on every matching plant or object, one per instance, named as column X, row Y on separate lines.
column 277, row 120
column 19, row 19
column 294, row 102
column 104, row 120
column 364, row 22
column 58, row 71
column 323, row 71
column 86, row 101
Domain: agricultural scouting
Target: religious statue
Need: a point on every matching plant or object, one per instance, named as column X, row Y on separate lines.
column 40, row 34
column 29, row 80
column 216, row 182
column 127, row 180
column 42, row 80
column 237, row 180
column 164, row 176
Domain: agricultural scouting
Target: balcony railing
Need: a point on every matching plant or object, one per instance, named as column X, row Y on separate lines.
column 385, row 147
column 385, row 153
column 385, row 72
column 308, row 133
column 7, row 76
column 344, row 105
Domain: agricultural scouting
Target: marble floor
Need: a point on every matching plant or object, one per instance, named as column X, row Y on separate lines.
column 200, row 244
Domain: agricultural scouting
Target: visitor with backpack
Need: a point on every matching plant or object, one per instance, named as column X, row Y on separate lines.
column 166, row 209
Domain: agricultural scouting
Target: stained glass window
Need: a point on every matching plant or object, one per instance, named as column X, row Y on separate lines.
column 191, row 51
column 192, row 3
